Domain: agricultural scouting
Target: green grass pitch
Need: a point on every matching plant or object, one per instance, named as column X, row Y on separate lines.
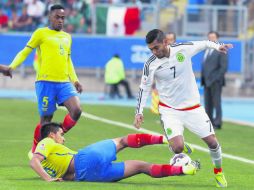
column 19, row 117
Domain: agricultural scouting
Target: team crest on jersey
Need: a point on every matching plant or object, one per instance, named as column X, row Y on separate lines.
column 42, row 147
column 180, row 57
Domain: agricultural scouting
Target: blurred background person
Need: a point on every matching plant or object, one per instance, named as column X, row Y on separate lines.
column 171, row 38
column 74, row 22
column 3, row 21
column 222, row 14
column 213, row 72
column 24, row 22
column 115, row 76
column 36, row 10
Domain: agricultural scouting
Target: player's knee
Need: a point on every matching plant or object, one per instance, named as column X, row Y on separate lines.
column 124, row 141
column 211, row 141
column 76, row 113
column 177, row 149
column 213, row 145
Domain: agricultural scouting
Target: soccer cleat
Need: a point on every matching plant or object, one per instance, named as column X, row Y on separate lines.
column 220, row 180
column 188, row 149
column 191, row 168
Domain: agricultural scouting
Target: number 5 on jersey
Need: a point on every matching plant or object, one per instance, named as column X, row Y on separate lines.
column 45, row 103
column 61, row 48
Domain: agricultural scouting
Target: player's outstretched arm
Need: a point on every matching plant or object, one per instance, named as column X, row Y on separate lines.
column 35, row 164
column 18, row 60
column 225, row 47
column 139, row 119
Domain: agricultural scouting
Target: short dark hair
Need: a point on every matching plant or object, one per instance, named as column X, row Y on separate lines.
column 49, row 127
column 56, row 7
column 155, row 34
column 214, row 32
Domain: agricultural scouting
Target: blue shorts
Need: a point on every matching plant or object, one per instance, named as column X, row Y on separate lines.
column 94, row 163
column 51, row 93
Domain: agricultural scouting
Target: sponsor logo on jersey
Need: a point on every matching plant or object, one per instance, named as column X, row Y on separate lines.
column 42, row 147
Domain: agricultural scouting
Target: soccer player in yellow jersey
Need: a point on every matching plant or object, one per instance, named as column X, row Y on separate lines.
column 53, row 161
column 55, row 74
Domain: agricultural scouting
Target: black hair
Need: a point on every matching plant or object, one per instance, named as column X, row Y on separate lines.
column 214, row 32
column 155, row 34
column 56, row 7
column 49, row 127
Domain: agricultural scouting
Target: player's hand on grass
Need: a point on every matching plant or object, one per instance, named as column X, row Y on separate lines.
column 55, row 179
column 224, row 48
column 139, row 119
column 78, row 87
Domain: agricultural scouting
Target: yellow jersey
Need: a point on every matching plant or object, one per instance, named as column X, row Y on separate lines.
column 57, row 157
column 53, row 51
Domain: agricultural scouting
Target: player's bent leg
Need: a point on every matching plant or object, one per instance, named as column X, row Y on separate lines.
column 37, row 137
column 134, row 167
column 120, row 143
column 74, row 108
column 216, row 155
column 173, row 127
column 37, row 131
column 176, row 144
column 187, row 148
column 215, row 150
column 211, row 141
column 137, row 141
column 68, row 123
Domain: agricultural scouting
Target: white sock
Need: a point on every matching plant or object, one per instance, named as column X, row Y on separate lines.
column 216, row 156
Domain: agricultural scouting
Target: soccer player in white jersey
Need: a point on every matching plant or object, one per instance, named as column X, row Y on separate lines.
column 171, row 68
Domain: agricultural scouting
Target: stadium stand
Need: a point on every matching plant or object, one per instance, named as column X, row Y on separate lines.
column 82, row 15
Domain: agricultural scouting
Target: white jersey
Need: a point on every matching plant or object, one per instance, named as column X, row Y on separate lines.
column 173, row 76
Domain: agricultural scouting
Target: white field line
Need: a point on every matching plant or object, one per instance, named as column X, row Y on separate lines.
column 124, row 125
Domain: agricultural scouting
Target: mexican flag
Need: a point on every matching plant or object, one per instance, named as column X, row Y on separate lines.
column 117, row 21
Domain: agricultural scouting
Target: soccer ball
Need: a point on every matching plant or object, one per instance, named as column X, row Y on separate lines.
column 180, row 160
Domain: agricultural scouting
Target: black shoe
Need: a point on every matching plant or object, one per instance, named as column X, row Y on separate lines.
column 217, row 126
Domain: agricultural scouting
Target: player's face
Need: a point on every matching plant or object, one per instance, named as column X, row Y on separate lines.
column 57, row 19
column 159, row 49
column 212, row 37
column 59, row 136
